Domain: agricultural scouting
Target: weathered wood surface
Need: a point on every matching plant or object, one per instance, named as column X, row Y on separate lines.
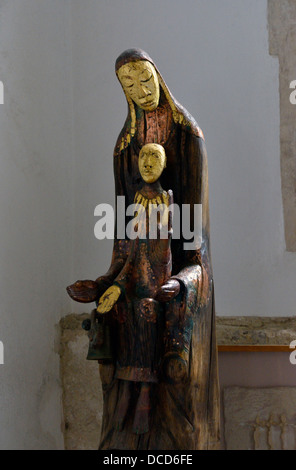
column 184, row 401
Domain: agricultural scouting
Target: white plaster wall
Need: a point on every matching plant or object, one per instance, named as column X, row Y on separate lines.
column 214, row 57
column 35, row 216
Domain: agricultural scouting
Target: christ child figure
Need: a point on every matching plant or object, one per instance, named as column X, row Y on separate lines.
column 139, row 320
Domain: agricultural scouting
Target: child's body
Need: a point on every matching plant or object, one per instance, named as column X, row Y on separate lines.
column 138, row 317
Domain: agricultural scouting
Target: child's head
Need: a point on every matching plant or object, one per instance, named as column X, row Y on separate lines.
column 152, row 161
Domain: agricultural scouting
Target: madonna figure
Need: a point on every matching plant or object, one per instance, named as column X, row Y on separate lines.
column 184, row 408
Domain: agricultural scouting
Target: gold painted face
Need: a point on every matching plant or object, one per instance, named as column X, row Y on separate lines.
column 152, row 161
column 140, row 82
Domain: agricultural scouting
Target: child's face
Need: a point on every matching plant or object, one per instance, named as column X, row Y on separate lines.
column 152, row 161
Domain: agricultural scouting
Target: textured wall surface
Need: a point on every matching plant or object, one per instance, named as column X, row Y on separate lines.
column 282, row 43
column 82, row 391
column 256, row 330
column 260, row 419
column 35, row 217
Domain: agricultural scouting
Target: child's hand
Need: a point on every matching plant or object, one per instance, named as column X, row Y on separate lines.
column 108, row 299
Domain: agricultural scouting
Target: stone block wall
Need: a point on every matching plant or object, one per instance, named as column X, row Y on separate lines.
column 81, row 387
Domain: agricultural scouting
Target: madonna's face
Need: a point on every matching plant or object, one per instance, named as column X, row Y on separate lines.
column 139, row 80
column 152, row 161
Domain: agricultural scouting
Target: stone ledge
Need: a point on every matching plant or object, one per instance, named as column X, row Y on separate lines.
column 73, row 321
column 255, row 330
column 230, row 330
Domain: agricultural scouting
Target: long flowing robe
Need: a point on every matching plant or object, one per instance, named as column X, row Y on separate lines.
column 185, row 414
column 138, row 319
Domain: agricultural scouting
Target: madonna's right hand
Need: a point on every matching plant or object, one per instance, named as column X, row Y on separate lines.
column 84, row 291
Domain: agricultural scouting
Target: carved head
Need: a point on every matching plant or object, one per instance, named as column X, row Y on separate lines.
column 140, row 82
column 152, row 161
column 144, row 87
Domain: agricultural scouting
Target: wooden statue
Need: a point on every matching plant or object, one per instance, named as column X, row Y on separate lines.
column 161, row 390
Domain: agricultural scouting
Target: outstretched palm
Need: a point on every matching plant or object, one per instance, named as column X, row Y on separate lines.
column 108, row 299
